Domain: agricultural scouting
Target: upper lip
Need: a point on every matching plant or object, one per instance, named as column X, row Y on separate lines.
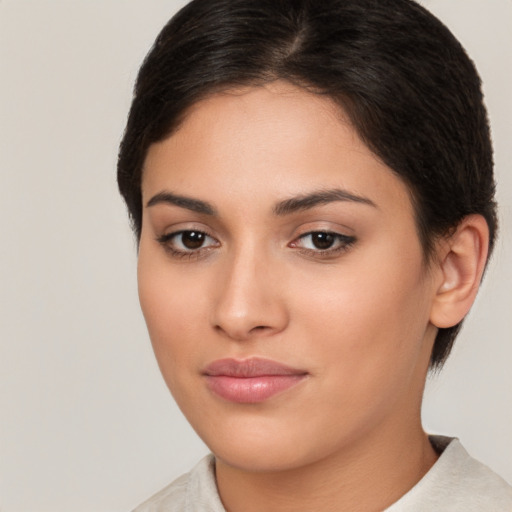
column 252, row 367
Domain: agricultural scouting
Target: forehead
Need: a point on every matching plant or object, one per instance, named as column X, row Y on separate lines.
column 275, row 140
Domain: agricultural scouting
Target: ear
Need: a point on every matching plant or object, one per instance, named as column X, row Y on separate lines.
column 461, row 262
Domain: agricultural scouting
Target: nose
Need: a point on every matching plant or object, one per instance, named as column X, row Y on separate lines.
column 250, row 301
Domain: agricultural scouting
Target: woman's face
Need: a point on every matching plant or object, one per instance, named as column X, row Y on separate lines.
column 282, row 281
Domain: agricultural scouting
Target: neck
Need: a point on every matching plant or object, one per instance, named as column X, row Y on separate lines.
column 369, row 473
column 366, row 476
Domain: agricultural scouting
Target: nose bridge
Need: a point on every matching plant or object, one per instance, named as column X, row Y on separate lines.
column 249, row 299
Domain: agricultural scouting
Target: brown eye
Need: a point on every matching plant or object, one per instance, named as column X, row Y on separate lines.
column 187, row 242
column 192, row 239
column 323, row 241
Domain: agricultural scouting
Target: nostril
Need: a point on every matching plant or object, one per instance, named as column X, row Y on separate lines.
column 259, row 328
column 242, row 333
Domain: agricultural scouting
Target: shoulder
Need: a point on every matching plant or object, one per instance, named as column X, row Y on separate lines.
column 457, row 482
column 171, row 498
column 195, row 491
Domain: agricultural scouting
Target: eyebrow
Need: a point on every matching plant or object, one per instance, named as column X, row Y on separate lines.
column 195, row 205
column 305, row 202
column 286, row 207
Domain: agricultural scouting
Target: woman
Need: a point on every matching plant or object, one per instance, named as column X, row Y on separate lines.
column 312, row 190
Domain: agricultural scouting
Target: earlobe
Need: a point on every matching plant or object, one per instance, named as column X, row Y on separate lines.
column 462, row 259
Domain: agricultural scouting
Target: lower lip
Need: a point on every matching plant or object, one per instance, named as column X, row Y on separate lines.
column 251, row 390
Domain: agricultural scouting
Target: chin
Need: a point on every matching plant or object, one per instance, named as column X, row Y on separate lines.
column 254, row 445
column 255, row 458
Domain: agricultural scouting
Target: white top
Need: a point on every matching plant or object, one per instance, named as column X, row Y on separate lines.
column 455, row 483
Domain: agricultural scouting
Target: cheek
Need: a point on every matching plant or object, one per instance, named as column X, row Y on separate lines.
column 174, row 311
column 369, row 320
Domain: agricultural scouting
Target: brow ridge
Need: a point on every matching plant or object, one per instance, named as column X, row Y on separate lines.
column 305, row 202
column 195, row 205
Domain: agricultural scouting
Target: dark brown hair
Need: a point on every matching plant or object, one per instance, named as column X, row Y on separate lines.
column 406, row 83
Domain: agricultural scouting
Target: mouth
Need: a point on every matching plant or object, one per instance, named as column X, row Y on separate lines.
column 250, row 381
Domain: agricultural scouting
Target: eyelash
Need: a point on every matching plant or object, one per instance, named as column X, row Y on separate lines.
column 344, row 242
column 166, row 241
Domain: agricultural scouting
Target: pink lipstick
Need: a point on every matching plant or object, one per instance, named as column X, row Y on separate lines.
column 250, row 381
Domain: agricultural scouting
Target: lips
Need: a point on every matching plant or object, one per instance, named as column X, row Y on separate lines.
column 252, row 380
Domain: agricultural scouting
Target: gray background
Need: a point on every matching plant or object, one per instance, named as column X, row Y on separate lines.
column 86, row 423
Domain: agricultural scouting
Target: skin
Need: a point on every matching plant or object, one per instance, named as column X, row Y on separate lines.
column 359, row 321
